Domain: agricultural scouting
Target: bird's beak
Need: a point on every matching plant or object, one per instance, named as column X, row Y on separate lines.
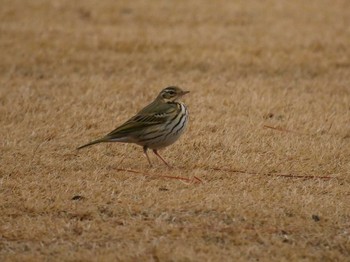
column 185, row 92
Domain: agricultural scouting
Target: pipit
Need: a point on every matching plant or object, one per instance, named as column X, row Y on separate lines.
column 156, row 126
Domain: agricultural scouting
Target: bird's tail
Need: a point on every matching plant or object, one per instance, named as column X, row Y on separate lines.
column 104, row 139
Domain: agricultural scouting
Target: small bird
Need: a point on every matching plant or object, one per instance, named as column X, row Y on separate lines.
column 156, row 126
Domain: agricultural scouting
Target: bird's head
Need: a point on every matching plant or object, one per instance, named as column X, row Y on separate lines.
column 171, row 94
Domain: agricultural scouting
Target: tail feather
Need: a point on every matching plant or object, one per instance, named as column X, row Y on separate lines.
column 94, row 142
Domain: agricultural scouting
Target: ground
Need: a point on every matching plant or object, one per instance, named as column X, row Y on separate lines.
column 262, row 170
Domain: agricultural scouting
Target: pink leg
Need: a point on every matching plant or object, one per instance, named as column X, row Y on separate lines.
column 158, row 155
column 145, row 152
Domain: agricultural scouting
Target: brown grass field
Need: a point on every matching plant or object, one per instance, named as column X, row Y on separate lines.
column 262, row 170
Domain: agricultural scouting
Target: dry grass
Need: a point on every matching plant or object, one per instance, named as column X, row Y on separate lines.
column 270, row 100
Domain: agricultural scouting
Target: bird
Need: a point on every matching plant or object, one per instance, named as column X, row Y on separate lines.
column 154, row 127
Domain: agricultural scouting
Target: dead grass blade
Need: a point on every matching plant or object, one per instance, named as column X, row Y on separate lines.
column 266, row 174
column 281, row 129
column 193, row 180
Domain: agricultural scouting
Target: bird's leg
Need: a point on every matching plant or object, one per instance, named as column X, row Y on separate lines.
column 145, row 152
column 158, row 155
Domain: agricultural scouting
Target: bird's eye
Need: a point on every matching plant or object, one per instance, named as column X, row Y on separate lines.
column 171, row 92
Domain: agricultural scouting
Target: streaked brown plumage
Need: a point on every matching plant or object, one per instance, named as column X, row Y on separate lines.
column 156, row 126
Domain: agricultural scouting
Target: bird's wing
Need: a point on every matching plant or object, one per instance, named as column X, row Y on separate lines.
column 153, row 114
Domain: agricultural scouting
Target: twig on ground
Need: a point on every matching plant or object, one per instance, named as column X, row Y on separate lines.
column 281, row 129
column 193, row 180
column 268, row 174
column 196, row 179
